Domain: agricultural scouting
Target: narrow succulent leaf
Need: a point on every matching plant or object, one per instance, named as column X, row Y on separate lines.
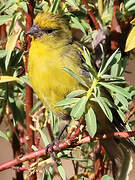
column 67, row 101
column 78, row 24
column 78, row 110
column 2, row 53
column 106, row 177
column 79, row 79
column 55, row 6
column 11, row 43
column 73, row 3
column 104, row 106
column 34, row 148
column 3, row 135
column 35, row 107
column 91, row 122
column 112, row 60
column 116, row 89
column 75, row 93
column 130, row 43
column 123, row 100
column 62, row 172
column 4, row 19
column 87, row 56
column 4, row 79
column 25, row 79
column 44, row 138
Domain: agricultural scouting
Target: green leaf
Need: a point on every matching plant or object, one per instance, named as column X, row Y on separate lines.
column 2, row 53
column 16, row 16
column 91, row 122
column 3, row 135
column 44, row 138
column 17, row 109
column 84, row 178
column 123, row 100
column 78, row 110
column 55, row 6
column 25, row 79
column 87, row 56
column 75, row 93
column 121, row 114
column 73, row 3
column 106, row 177
column 6, row 6
column 77, row 24
column 67, row 101
column 23, row 5
column 4, row 19
column 129, row 4
column 11, row 43
column 119, row 68
column 34, row 148
column 62, row 172
column 107, row 76
column 81, row 81
column 104, row 106
column 35, row 107
column 4, row 79
column 63, row 153
column 108, row 64
column 131, row 9
column 116, row 89
column 130, row 42
column 54, row 123
column 47, row 175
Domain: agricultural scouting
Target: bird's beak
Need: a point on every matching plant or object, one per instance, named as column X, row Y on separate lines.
column 33, row 30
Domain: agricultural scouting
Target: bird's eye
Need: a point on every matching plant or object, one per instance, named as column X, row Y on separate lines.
column 49, row 31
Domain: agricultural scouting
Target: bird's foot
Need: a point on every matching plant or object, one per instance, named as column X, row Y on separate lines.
column 50, row 147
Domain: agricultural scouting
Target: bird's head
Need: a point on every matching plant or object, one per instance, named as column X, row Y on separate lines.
column 48, row 27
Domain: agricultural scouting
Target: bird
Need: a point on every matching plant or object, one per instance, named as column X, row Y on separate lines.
column 53, row 48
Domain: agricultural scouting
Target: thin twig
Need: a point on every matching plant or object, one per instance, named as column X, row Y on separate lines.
column 64, row 145
column 90, row 13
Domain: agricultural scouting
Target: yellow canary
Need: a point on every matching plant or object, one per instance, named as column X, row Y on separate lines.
column 53, row 48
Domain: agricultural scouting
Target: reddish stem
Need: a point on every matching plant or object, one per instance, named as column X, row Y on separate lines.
column 99, row 163
column 16, row 147
column 115, row 27
column 39, row 153
column 29, row 91
column 130, row 114
column 90, row 13
column 3, row 35
column 48, row 125
column 63, row 145
column 37, row 141
column 125, row 134
column 119, row 28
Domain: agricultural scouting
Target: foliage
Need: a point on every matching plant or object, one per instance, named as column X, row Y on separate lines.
column 107, row 75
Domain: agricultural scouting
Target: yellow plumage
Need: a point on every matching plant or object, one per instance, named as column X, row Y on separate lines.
column 52, row 49
column 48, row 55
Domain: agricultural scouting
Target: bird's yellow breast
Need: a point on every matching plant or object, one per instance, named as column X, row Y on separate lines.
column 49, row 81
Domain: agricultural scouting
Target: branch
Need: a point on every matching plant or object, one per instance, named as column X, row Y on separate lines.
column 29, row 91
column 90, row 13
column 124, row 134
column 64, row 145
column 3, row 36
column 115, row 27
